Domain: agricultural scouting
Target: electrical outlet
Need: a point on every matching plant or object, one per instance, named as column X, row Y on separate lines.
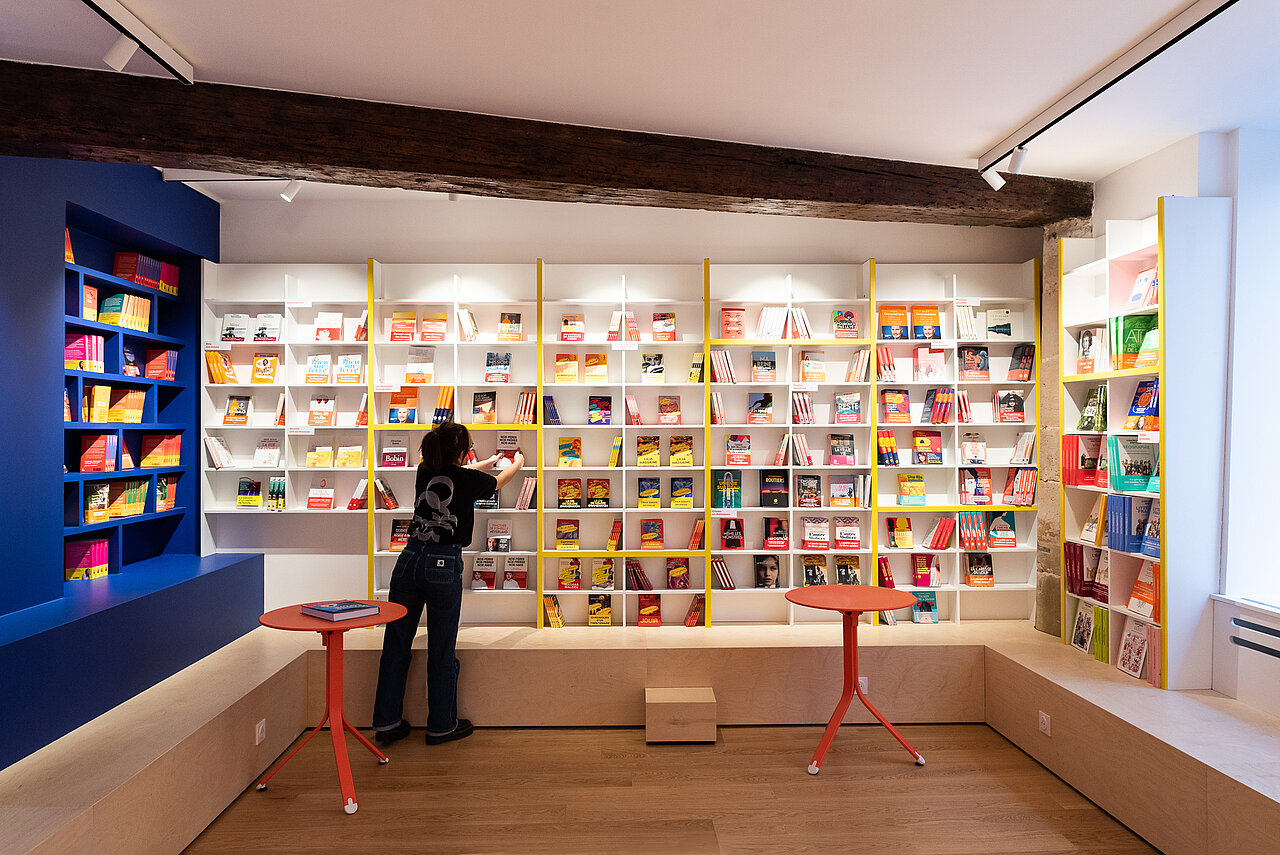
column 260, row 732
column 862, row 684
column 1044, row 724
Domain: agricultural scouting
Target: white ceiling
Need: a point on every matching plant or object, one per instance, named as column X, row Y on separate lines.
column 934, row 81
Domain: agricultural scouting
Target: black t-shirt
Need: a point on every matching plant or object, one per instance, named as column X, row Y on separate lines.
column 444, row 511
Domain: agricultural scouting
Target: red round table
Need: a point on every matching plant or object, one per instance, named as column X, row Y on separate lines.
column 291, row 618
column 851, row 601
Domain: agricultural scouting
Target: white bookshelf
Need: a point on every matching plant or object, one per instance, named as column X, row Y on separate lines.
column 1189, row 242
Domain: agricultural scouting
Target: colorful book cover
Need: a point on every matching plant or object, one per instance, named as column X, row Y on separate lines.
column 775, row 533
column 764, row 366
column 893, row 322
column 1002, row 532
column 596, row 368
column 732, row 533
column 733, row 323
column 737, row 449
column 599, row 409
column 926, row 608
column 597, row 492
column 570, row 451
column 768, row 571
column 844, row 323
column 978, row 570
column 404, row 326
column 566, row 368
column 434, row 325
column 844, row 490
column 420, row 365
column 265, row 366
column 599, row 610
column 774, row 490
column 848, row 406
column 974, row 363
column 668, row 409
column 484, row 408
column 815, row 533
column 895, row 406
column 569, row 493
column 651, row 534
column 681, row 450
column 569, row 577
column 664, row 326
column 602, row 574
column 808, row 491
column 848, row 570
column 566, row 534
column 649, row 492
column 848, row 532
column 497, row 367
column 813, row 366
column 759, row 408
column 727, row 488
column 572, row 327
column 682, row 493
column 509, row 326
column 403, row 409
column 650, row 610
column 925, row 322
column 841, row 449
column 927, row 448
column 815, row 569
column 678, row 573
column 899, row 531
column 648, row 451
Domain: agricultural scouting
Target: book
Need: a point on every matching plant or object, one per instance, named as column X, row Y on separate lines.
column 569, row 575
column 682, row 493
column 319, row 456
column 651, row 534
column 615, row 452
column 759, row 408
column 848, row 408
column 693, row 616
column 403, row 407
column 732, row 533
column 596, row 368
column 467, row 328
column 319, row 497
column 768, row 571
column 815, row 533
column 264, row 367
column 813, row 366
column 572, row 327
column 895, row 406
column 764, row 366
column 1093, row 415
column 737, row 449
column 726, row 488
column 808, row 491
column 925, row 322
column 848, row 568
column 775, row 533
column 1022, row 363
column 733, row 323
column 1089, row 355
column 893, row 322
column 599, row 610
column 1095, row 526
column 925, row 609
column 566, row 368
column 497, row 535
column 497, row 367
column 483, row 572
column 974, row 364
column 649, row 610
column 975, row 486
column 651, row 368
column 1009, row 406
column 597, row 492
column 235, row 327
column 569, row 493
column 1133, row 648
column 237, row 411
column 551, row 606
column 328, row 326
column 911, row 488
column 567, row 534
column 774, row 489
column 339, row 610
column 978, row 570
column 509, row 326
column 350, row 367
column 569, row 450
column 319, row 369
column 1143, row 595
column 1082, row 631
column 1144, row 411
column 602, row 574
column 814, row 568
column 844, row 323
column 668, row 409
column 929, row 363
column 648, row 450
column 1146, row 290
column 695, row 368
column 218, row 363
column 484, row 407
column 649, row 492
column 841, row 449
column 899, row 532
column 664, row 326
column 404, row 326
column 926, row 448
column 434, row 327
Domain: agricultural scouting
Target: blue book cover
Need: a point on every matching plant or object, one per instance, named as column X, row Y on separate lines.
column 926, row 608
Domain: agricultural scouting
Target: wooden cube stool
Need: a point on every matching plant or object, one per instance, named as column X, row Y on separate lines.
column 680, row 715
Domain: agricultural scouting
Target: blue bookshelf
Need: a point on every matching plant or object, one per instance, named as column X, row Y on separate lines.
column 73, row 649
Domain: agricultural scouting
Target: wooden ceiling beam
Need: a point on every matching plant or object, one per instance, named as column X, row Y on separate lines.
column 50, row 111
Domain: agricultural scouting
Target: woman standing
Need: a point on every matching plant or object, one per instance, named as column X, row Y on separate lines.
column 429, row 574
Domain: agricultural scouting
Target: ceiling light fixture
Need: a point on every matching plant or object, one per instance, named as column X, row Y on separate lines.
column 142, row 36
column 120, row 53
column 1016, row 159
column 291, row 190
column 993, row 178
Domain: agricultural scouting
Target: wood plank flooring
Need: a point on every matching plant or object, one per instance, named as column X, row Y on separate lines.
column 509, row 790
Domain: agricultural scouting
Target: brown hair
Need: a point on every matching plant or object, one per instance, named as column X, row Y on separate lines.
column 443, row 444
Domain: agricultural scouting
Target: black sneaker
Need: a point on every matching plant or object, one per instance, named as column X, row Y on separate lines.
column 395, row 734
column 461, row 731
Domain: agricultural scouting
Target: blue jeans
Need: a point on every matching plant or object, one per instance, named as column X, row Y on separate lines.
column 425, row 575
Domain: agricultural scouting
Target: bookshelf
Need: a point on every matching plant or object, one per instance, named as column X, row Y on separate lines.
column 693, row 295
column 1187, row 243
column 124, row 491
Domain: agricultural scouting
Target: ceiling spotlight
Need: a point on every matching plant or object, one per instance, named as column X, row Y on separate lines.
column 1015, row 161
column 291, row 190
column 453, row 197
column 121, row 52
column 993, row 178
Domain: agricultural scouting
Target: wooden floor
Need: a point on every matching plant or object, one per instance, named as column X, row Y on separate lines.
column 592, row 790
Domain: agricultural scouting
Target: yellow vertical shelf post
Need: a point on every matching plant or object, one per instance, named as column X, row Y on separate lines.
column 706, row 442
column 1062, row 430
column 1037, row 360
column 539, row 496
column 371, row 543
column 1162, row 586
column 873, row 416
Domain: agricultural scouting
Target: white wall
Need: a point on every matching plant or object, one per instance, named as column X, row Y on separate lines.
column 1196, row 166
column 473, row 230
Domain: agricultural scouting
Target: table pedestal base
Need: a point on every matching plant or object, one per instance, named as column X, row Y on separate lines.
column 339, row 725
column 852, row 687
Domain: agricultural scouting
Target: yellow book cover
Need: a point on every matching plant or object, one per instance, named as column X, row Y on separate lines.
column 220, row 368
column 350, row 455
column 99, row 403
column 434, row 325
column 615, row 453
column 570, row 448
column 567, row 537
column 552, row 607
column 403, row 325
column 597, row 368
column 264, row 367
column 681, row 450
column 566, row 368
column 599, row 610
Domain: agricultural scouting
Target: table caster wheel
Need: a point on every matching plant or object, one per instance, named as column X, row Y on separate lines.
column 919, row 760
column 813, row 768
column 384, row 761
column 261, row 787
column 350, row 806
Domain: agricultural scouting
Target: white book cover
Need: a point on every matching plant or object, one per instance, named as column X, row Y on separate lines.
column 420, row 365
column 1082, row 632
column 267, row 453
column 349, row 367
column 319, row 368
column 328, row 326
column 1133, row 648
column 267, row 326
column 235, row 327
